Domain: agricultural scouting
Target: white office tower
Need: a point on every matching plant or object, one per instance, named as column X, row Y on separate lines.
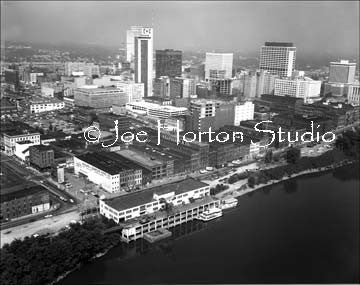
column 134, row 91
column 218, row 65
column 244, row 112
column 143, row 60
column 304, row 87
column 131, row 34
column 278, row 58
column 353, row 95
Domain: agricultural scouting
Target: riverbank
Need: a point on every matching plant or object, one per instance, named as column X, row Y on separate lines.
column 239, row 192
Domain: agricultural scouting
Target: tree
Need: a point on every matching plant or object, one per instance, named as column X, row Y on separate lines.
column 293, row 155
column 251, row 181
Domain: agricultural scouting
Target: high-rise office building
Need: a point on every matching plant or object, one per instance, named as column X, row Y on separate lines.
column 144, row 60
column 278, row 58
column 131, row 34
column 342, row 72
column 181, row 87
column 162, row 87
column 168, row 63
column 218, row 65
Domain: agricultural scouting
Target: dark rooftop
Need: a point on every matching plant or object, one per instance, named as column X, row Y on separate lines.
column 146, row 196
column 109, row 162
column 16, row 193
column 278, row 44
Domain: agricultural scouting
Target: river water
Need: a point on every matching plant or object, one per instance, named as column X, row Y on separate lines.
column 304, row 230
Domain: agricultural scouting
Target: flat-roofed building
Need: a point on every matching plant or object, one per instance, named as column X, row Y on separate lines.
column 41, row 156
column 160, row 164
column 342, row 72
column 12, row 137
column 45, row 105
column 155, row 110
column 95, row 97
column 21, row 201
column 152, row 200
column 109, row 170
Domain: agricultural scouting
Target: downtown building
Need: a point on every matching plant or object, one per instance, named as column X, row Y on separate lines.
column 342, row 76
column 134, row 91
column 40, row 105
column 95, row 97
column 168, row 63
column 216, row 114
column 143, row 59
column 109, row 170
column 301, row 87
column 78, row 68
column 13, row 137
column 152, row 200
column 278, row 58
column 181, row 87
column 218, row 72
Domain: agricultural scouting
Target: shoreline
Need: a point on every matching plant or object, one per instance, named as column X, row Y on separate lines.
column 238, row 192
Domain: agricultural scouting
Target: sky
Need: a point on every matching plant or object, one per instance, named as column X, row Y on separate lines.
column 235, row 26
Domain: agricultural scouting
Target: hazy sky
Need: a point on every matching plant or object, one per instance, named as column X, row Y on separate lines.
column 332, row 27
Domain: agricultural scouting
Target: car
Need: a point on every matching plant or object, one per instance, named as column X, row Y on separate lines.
column 35, row 235
column 71, row 201
column 48, row 216
column 82, row 191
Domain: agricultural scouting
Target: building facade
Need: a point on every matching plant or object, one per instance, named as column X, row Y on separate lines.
column 45, row 105
column 144, row 60
column 181, row 87
column 41, row 156
column 218, row 65
column 304, row 88
column 92, row 96
column 168, row 63
column 342, row 72
column 278, row 58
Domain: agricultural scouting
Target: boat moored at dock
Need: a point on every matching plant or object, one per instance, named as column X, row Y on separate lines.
column 210, row 214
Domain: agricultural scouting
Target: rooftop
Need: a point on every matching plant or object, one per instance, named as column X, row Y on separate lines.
column 109, row 162
column 16, row 192
column 146, row 196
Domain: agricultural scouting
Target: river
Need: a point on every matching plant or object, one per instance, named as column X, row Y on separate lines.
column 304, row 230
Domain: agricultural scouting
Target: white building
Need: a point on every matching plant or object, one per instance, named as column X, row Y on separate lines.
column 353, row 95
column 304, row 87
column 278, row 58
column 22, row 149
column 141, row 203
column 134, row 91
column 218, row 65
column 12, row 137
column 144, row 60
column 109, row 171
column 45, row 105
column 155, row 110
column 243, row 112
column 131, row 34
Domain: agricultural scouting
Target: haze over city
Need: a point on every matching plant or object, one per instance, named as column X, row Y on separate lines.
column 225, row 26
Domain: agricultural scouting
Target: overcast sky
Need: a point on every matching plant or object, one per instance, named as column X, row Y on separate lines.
column 314, row 27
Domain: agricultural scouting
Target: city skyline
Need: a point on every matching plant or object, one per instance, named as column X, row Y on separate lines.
column 335, row 23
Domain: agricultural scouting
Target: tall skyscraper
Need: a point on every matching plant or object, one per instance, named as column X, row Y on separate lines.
column 131, row 34
column 278, row 58
column 218, row 65
column 342, row 72
column 168, row 63
column 181, row 87
column 144, row 60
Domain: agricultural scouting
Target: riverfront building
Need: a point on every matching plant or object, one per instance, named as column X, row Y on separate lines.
column 17, row 202
column 151, row 200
